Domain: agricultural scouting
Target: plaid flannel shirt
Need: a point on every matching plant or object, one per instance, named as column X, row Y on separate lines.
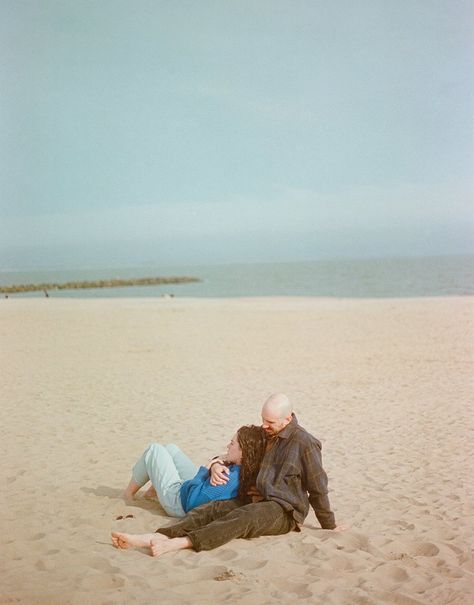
column 292, row 475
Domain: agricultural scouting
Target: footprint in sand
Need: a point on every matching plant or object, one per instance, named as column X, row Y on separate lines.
column 343, row 563
column 304, row 550
column 404, row 549
column 227, row 554
column 45, row 565
column 400, row 523
column 424, row 549
column 250, row 563
column 353, row 542
column 391, row 573
column 288, row 588
column 102, row 565
column 395, row 597
column 350, row 596
column 100, row 575
column 459, row 556
column 100, row 581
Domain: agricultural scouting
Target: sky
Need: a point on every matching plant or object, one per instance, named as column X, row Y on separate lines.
column 184, row 132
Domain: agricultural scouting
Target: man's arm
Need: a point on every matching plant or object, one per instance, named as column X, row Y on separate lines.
column 316, row 484
column 219, row 473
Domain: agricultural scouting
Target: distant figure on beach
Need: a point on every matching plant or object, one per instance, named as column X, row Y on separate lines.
column 46, row 293
column 180, row 486
column 291, row 478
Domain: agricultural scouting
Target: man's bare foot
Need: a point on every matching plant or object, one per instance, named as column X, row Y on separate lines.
column 121, row 540
column 150, row 493
column 160, row 546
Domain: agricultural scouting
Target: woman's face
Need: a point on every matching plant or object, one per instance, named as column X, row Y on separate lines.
column 234, row 453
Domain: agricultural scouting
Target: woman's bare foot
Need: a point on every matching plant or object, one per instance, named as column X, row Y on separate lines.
column 121, row 540
column 150, row 493
column 160, row 546
column 132, row 488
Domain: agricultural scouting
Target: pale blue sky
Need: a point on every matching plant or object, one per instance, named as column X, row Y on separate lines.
column 215, row 131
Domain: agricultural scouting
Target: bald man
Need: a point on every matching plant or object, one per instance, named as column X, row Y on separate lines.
column 290, row 479
column 291, row 472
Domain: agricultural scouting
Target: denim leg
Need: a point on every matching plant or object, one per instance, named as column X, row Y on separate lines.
column 184, row 465
column 157, row 465
column 249, row 521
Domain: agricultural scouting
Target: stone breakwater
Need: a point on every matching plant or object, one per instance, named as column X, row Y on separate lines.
column 103, row 283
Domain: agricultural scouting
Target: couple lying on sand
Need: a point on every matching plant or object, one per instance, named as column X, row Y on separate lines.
column 263, row 486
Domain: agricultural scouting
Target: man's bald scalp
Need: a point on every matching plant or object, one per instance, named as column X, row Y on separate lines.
column 278, row 405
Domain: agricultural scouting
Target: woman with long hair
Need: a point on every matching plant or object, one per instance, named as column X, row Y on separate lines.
column 180, row 486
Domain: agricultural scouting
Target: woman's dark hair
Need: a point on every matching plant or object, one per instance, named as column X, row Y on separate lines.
column 253, row 443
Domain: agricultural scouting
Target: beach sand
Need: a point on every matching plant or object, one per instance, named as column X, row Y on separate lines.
column 386, row 385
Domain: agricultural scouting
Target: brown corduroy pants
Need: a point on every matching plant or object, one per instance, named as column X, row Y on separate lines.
column 216, row 523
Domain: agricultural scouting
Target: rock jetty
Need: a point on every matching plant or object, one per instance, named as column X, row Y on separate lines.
column 103, row 283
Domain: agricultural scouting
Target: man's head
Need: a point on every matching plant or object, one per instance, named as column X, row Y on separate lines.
column 276, row 414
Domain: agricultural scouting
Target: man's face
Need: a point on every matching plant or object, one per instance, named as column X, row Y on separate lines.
column 271, row 424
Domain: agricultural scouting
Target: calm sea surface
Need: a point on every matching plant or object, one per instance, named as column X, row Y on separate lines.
column 361, row 278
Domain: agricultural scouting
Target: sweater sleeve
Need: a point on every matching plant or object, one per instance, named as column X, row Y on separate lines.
column 199, row 477
column 199, row 490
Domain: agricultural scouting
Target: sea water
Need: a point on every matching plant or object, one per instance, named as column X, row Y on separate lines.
column 355, row 278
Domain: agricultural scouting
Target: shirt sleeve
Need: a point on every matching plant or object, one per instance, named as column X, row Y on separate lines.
column 316, row 484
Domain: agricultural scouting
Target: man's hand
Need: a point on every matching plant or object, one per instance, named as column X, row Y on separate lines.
column 341, row 528
column 219, row 474
column 255, row 495
column 212, row 461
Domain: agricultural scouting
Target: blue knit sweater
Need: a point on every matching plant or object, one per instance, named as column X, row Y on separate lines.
column 199, row 490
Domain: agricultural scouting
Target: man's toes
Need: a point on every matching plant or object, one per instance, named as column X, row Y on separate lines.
column 119, row 540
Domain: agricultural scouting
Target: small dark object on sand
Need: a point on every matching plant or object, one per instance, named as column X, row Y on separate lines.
column 228, row 575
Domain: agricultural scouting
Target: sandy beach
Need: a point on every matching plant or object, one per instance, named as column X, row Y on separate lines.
column 386, row 385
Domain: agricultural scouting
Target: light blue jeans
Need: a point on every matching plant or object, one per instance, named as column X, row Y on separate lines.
column 167, row 467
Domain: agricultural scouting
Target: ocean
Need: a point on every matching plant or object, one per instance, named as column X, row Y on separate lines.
column 352, row 278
